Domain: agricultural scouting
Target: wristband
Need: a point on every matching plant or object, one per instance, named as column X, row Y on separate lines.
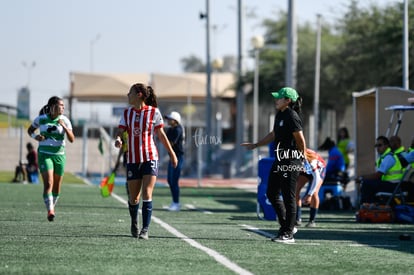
column 34, row 135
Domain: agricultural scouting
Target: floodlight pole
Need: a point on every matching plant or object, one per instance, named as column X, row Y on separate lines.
column 208, row 85
column 291, row 53
column 208, row 127
column 258, row 43
column 405, row 48
column 239, row 92
column 29, row 68
column 91, row 46
column 317, row 82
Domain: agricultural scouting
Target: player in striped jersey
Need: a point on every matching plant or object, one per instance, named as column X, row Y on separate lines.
column 53, row 125
column 142, row 121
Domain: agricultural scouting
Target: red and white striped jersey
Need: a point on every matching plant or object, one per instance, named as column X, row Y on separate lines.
column 318, row 165
column 141, row 125
column 317, row 162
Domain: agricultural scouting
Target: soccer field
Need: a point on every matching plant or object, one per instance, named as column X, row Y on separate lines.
column 217, row 232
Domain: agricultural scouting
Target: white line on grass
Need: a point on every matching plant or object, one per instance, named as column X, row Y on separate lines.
column 374, row 245
column 217, row 256
column 192, row 207
column 257, row 230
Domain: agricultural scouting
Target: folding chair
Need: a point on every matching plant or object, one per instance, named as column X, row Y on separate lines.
column 404, row 198
column 403, row 192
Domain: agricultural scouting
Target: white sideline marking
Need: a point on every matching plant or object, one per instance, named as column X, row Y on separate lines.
column 192, row 207
column 217, row 256
column 374, row 245
column 257, row 230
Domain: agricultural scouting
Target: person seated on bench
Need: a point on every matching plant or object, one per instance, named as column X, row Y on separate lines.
column 389, row 172
column 410, row 153
column 24, row 171
column 335, row 169
column 398, row 150
column 409, row 157
column 345, row 145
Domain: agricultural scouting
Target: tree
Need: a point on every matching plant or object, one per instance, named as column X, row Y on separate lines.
column 193, row 64
column 273, row 61
column 371, row 51
column 363, row 49
column 196, row 65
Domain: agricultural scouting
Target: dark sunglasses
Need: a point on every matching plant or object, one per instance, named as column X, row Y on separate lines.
column 378, row 145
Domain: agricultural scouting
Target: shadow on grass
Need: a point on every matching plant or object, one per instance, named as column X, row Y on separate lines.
column 341, row 228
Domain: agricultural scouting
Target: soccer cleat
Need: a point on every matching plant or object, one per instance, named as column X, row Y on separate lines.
column 174, row 207
column 298, row 222
column 285, row 238
column 295, row 230
column 143, row 234
column 311, row 224
column 51, row 215
column 134, row 229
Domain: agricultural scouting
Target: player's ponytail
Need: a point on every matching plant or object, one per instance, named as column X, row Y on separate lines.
column 147, row 92
column 44, row 110
column 54, row 100
column 151, row 97
column 297, row 106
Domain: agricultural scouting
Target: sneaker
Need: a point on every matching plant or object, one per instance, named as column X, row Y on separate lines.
column 311, row 224
column 295, row 230
column 174, row 207
column 143, row 234
column 51, row 215
column 285, row 238
column 298, row 222
column 134, row 229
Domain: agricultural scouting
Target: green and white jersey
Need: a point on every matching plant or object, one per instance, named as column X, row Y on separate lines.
column 54, row 144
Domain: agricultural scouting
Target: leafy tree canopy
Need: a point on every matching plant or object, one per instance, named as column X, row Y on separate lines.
column 361, row 50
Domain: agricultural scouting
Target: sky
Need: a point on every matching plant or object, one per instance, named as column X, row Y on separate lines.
column 42, row 41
